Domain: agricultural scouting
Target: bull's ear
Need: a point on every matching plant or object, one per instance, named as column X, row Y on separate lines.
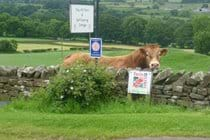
column 163, row 52
column 143, row 51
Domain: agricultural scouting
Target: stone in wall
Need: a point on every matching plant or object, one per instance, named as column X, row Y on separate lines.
column 8, row 71
column 183, row 88
column 23, row 80
column 162, row 76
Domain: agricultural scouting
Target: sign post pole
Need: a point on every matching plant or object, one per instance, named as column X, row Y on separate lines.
column 97, row 23
column 84, row 18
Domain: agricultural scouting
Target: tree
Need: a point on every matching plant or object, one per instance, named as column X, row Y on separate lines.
column 13, row 23
column 8, row 46
column 200, row 23
column 53, row 28
column 3, row 27
column 40, row 29
column 154, row 31
column 185, row 13
column 64, row 30
column 133, row 29
column 205, row 5
column 174, row 12
column 29, row 28
column 56, row 4
column 184, row 35
column 27, row 10
column 202, row 42
column 109, row 27
column 195, row 1
column 155, row 6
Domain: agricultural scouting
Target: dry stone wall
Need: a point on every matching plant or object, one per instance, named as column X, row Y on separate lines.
column 23, row 80
column 181, row 88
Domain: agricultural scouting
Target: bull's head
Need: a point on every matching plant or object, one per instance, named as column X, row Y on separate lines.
column 152, row 55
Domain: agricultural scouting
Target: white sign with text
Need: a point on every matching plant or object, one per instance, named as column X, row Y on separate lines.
column 139, row 82
column 81, row 18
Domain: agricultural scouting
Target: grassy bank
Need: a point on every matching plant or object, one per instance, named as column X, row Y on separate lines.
column 22, row 121
column 21, row 125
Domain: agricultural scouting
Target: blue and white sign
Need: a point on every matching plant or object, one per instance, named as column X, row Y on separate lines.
column 95, row 47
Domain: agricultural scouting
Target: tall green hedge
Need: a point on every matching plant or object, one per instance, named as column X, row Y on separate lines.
column 8, row 46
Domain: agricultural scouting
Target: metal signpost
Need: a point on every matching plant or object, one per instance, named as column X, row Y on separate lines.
column 82, row 15
column 139, row 82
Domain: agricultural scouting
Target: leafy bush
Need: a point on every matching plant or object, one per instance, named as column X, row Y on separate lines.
column 78, row 88
column 202, row 42
column 40, row 50
column 155, row 6
column 8, row 45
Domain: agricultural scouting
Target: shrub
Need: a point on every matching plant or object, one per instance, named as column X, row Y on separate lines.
column 202, row 42
column 26, row 51
column 155, row 6
column 81, row 87
column 39, row 50
column 205, row 5
column 8, row 46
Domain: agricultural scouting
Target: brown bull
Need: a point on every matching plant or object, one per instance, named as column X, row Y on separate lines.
column 145, row 57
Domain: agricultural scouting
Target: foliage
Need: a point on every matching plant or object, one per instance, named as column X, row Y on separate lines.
column 195, row 1
column 8, row 46
column 205, row 5
column 174, row 12
column 155, row 6
column 79, row 88
column 185, row 13
column 184, row 35
column 200, row 23
column 133, row 27
column 202, row 42
column 110, row 29
column 158, row 31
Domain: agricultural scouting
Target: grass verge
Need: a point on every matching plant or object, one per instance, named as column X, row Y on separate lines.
column 16, row 125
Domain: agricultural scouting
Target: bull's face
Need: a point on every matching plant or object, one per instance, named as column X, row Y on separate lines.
column 152, row 55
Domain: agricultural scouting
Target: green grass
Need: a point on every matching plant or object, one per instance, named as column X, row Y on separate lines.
column 183, row 60
column 26, row 125
column 49, row 58
column 176, row 59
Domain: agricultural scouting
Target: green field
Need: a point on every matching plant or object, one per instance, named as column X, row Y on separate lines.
column 21, row 125
column 176, row 59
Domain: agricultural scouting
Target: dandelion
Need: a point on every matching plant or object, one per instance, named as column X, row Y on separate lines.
column 71, row 88
column 84, row 71
column 67, row 71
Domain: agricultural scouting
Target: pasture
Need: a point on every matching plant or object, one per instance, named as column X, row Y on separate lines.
column 176, row 59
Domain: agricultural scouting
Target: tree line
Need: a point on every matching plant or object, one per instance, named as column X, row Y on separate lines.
column 189, row 34
column 165, row 31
